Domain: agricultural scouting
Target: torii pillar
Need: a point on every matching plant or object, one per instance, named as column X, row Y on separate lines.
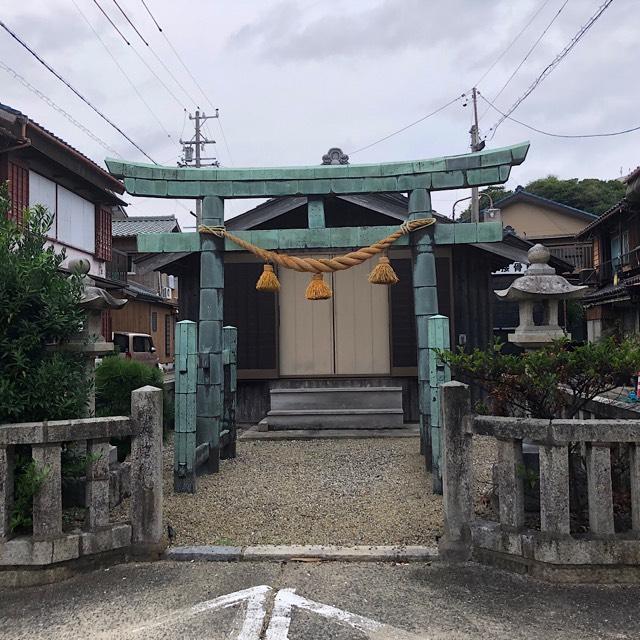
column 210, row 322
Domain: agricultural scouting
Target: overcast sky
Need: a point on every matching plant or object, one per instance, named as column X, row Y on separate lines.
column 293, row 78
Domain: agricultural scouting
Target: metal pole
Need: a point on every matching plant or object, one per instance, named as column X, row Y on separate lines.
column 475, row 200
column 198, row 142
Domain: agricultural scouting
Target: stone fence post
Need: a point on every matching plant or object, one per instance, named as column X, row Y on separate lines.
column 146, row 467
column 455, row 404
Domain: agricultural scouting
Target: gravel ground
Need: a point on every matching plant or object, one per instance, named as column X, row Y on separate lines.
column 344, row 492
column 310, row 492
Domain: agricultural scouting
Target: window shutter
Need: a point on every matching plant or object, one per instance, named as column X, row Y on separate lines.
column 18, row 191
column 103, row 233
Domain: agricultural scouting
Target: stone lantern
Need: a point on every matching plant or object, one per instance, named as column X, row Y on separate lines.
column 539, row 284
column 90, row 341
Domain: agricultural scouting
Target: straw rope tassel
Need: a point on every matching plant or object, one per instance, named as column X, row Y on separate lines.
column 383, row 273
column 268, row 280
column 318, row 289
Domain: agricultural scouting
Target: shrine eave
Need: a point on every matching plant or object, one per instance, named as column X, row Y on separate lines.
column 451, row 172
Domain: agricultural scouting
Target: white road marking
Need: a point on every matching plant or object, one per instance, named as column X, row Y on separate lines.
column 255, row 597
column 286, row 599
column 280, row 619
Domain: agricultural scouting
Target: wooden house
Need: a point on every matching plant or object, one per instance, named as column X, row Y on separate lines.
column 613, row 306
column 41, row 168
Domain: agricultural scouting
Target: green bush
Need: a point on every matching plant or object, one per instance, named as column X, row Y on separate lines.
column 116, row 378
column 533, row 382
column 38, row 310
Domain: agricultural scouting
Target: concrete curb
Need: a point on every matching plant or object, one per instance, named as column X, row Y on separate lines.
column 303, row 553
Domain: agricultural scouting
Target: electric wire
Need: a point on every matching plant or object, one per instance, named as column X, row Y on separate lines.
column 113, row 24
column 408, row 126
column 47, row 66
column 144, row 62
column 58, row 108
column 526, row 26
column 553, row 64
column 529, row 52
column 122, row 70
column 559, row 135
column 126, row 17
column 190, row 98
column 193, row 78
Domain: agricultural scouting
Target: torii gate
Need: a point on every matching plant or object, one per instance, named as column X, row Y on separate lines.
column 418, row 178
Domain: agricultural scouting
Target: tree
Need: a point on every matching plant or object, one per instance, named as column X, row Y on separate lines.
column 591, row 194
column 38, row 310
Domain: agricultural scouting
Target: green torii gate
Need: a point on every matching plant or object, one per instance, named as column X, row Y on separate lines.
column 418, row 178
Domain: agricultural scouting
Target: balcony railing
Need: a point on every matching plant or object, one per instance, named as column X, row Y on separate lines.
column 623, row 265
column 117, row 267
column 579, row 255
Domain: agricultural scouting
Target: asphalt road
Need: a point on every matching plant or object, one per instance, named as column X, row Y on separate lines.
column 313, row 601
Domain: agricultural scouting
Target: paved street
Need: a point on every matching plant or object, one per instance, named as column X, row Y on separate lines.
column 312, row 601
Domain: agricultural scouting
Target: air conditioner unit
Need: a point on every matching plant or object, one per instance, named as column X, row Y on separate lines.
column 167, row 292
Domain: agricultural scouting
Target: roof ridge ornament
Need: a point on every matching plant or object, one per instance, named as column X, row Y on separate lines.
column 335, row 155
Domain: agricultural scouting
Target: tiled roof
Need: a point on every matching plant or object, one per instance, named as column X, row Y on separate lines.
column 131, row 227
column 521, row 194
column 116, row 184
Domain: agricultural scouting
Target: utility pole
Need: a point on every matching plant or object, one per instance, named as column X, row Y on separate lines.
column 197, row 144
column 476, row 145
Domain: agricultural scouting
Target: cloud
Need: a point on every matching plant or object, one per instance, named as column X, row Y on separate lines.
column 285, row 33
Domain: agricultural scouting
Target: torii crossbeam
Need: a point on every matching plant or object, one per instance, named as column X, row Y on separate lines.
column 417, row 178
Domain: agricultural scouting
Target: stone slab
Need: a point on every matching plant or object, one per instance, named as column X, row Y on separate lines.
column 258, row 433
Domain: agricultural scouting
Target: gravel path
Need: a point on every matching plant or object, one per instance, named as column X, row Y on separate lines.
column 310, row 492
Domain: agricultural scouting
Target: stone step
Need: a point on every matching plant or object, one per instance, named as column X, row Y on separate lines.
column 335, row 419
column 336, row 398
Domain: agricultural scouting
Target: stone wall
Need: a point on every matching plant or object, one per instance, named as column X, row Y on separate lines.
column 553, row 550
column 50, row 543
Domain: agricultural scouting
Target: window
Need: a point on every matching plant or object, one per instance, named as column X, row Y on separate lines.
column 624, row 246
column 131, row 265
column 121, row 342
column 168, row 329
column 43, row 191
column 154, row 321
column 76, row 221
column 142, row 344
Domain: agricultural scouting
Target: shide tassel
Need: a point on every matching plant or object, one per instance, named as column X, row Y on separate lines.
column 268, row 280
column 317, row 289
column 383, row 273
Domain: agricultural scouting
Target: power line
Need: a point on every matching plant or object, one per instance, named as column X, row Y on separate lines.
column 72, row 88
column 526, row 57
column 495, row 62
column 144, row 62
column 122, row 71
column 129, row 21
column 193, row 78
column 113, row 24
column 553, row 64
column 156, row 56
column 408, row 126
column 58, row 108
column 559, row 135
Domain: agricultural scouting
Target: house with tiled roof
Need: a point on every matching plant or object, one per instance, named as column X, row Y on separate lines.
column 551, row 223
column 152, row 295
column 41, row 168
column 613, row 305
